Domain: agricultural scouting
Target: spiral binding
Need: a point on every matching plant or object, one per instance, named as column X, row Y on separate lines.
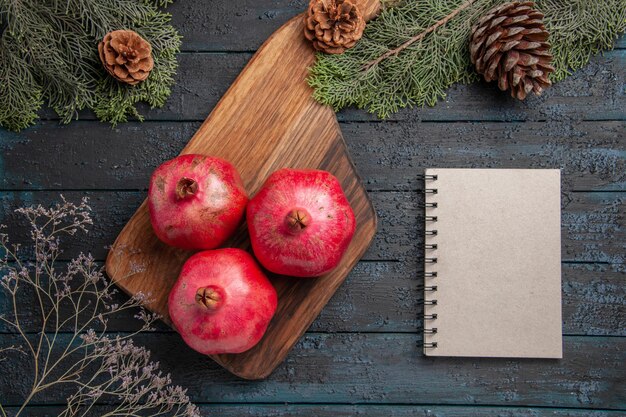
column 430, row 287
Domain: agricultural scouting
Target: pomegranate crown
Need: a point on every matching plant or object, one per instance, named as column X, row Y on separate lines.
column 297, row 220
column 209, row 297
column 186, row 187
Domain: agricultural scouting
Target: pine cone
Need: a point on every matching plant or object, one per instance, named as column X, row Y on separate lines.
column 126, row 56
column 509, row 44
column 333, row 25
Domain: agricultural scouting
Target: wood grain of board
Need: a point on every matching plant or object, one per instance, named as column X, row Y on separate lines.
column 267, row 120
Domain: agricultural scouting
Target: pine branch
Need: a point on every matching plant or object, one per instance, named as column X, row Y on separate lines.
column 418, row 37
column 48, row 53
column 3, row 25
column 21, row 95
column 433, row 35
column 580, row 29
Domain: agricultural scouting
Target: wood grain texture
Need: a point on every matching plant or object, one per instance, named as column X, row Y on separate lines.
column 594, row 92
column 267, row 120
column 591, row 155
column 224, row 27
column 383, row 296
column 593, row 224
column 361, row 410
column 385, row 369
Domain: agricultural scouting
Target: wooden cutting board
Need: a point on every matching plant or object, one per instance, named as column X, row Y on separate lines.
column 267, row 120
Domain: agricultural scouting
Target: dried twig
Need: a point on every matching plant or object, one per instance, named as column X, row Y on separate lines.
column 79, row 299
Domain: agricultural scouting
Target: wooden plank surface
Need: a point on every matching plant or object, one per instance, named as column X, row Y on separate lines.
column 577, row 125
column 89, row 155
column 591, row 94
column 389, row 369
column 593, row 224
column 383, row 296
column 362, row 410
column 229, row 27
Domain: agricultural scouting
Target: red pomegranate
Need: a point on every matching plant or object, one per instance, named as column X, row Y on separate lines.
column 222, row 302
column 196, row 201
column 300, row 223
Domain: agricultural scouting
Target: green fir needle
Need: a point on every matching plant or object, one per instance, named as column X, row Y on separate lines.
column 49, row 54
column 436, row 56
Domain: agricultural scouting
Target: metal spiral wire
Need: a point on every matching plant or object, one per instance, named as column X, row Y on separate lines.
column 429, row 287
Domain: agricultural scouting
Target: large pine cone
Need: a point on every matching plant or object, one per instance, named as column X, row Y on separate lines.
column 333, row 25
column 509, row 44
column 126, row 56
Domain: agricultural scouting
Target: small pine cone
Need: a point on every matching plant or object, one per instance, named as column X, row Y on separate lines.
column 333, row 25
column 126, row 56
column 509, row 44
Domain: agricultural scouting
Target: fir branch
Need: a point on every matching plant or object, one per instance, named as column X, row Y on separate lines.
column 116, row 102
column 418, row 37
column 580, row 29
column 21, row 94
column 48, row 53
column 414, row 51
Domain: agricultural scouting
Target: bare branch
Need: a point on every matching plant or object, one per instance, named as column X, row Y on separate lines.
column 98, row 366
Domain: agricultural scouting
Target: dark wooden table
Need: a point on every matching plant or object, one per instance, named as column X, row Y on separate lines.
column 360, row 356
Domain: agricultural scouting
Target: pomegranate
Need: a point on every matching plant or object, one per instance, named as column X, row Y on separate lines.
column 222, row 302
column 196, row 201
column 300, row 222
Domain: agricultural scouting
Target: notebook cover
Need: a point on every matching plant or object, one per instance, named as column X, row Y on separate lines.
column 498, row 263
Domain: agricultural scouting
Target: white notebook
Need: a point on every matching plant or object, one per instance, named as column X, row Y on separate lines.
column 493, row 263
